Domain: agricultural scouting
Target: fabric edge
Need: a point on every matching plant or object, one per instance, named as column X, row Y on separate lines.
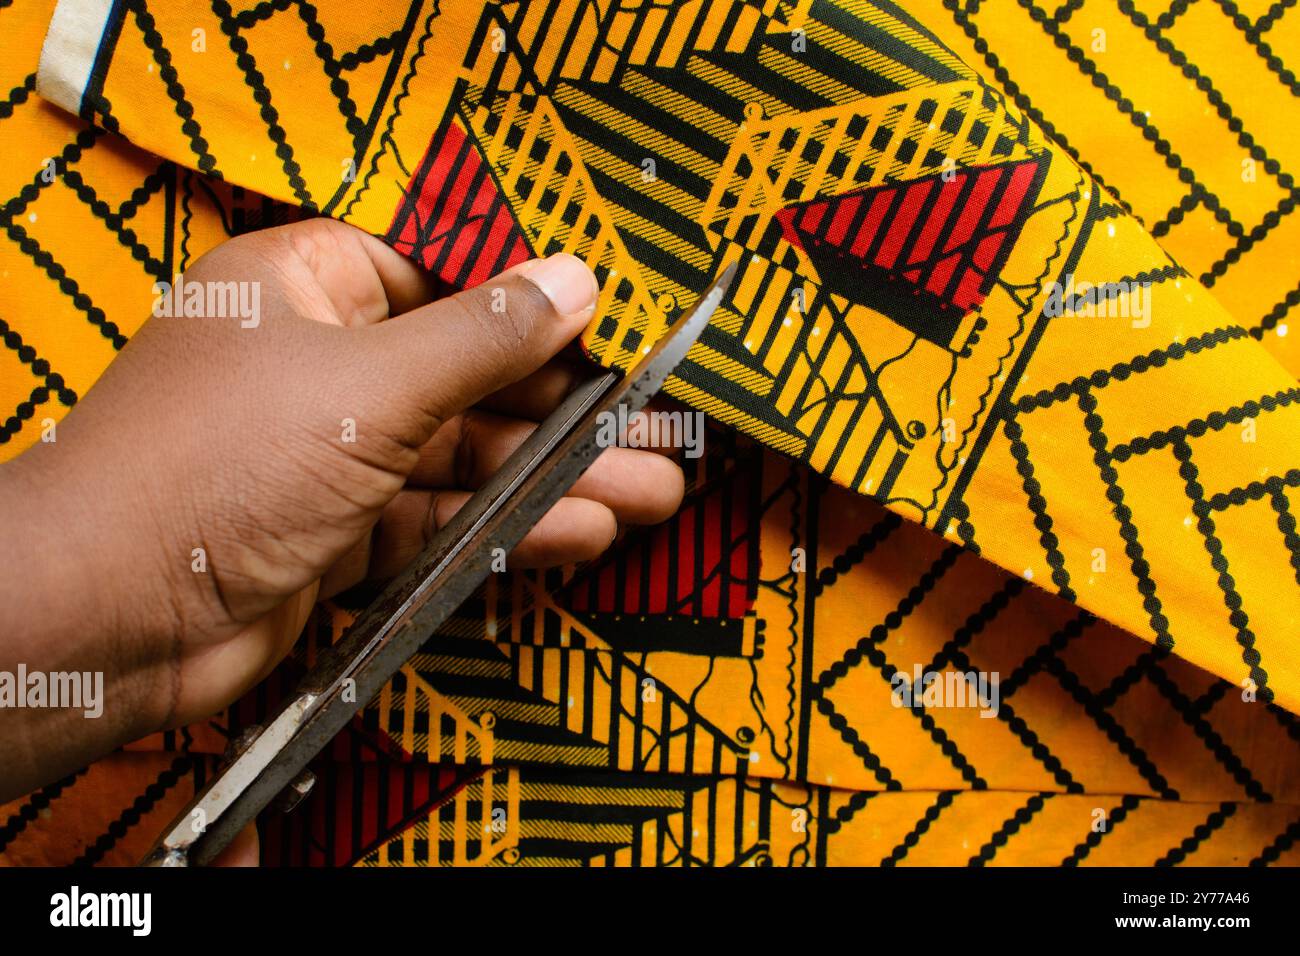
column 70, row 51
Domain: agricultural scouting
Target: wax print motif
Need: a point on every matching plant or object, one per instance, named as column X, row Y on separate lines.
column 722, row 688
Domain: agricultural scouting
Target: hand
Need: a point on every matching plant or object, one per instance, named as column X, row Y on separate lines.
column 223, row 475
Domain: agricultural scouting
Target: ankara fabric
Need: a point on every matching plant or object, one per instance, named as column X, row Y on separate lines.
column 898, row 222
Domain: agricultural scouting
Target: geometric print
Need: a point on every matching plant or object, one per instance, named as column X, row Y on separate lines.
column 656, row 820
column 69, row 307
column 1179, row 115
column 949, row 251
column 574, row 716
column 809, row 697
column 1219, row 193
column 879, row 398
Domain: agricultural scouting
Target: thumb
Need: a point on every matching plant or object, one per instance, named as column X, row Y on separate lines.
column 443, row 357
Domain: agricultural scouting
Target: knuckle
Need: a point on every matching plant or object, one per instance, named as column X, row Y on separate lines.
column 482, row 324
column 307, row 240
column 503, row 315
column 525, row 307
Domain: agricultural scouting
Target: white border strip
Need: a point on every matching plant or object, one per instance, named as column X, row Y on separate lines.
column 68, row 55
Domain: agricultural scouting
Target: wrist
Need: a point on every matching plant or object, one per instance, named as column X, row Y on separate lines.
column 75, row 609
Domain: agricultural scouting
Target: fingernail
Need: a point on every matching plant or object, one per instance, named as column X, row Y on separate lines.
column 566, row 281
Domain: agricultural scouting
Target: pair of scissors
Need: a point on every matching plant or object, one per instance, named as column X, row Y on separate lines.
column 271, row 760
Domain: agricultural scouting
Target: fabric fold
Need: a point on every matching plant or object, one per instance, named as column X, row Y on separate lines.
column 534, row 703
column 936, row 305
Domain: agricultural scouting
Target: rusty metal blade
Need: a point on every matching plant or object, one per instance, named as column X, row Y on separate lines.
column 457, row 560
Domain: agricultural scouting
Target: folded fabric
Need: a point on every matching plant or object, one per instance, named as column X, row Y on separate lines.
column 415, row 815
column 1179, row 113
column 591, row 711
column 936, row 305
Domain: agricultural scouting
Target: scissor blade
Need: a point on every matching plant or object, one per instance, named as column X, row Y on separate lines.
column 457, row 560
column 653, row 369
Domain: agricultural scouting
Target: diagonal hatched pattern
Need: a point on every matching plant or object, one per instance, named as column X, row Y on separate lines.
column 947, row 761
column 1199, row 77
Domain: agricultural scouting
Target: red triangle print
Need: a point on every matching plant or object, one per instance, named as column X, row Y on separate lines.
column 925, row 252
column 453, row 219
column 685, row 585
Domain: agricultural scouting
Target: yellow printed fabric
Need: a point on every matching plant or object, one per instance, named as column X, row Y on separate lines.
column 1003, row 386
